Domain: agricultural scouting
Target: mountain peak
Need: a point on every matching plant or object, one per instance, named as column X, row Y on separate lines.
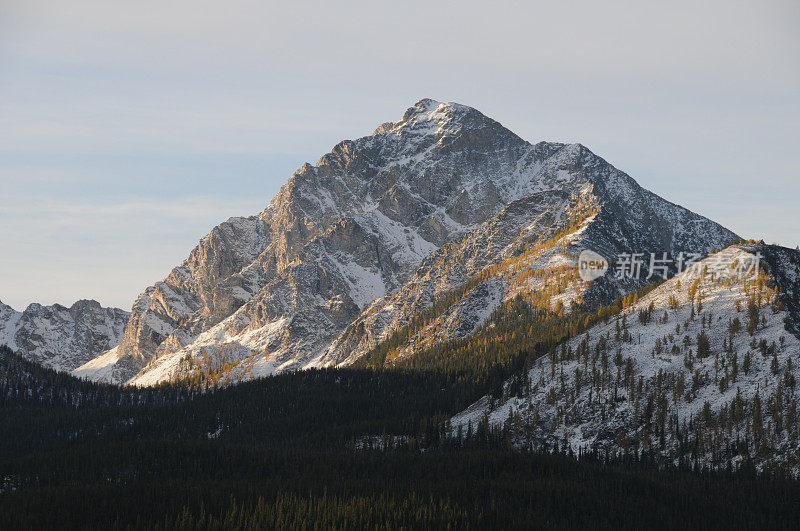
column 59, row 337
column 367, row 219
column 432, row 117
column 429, row 103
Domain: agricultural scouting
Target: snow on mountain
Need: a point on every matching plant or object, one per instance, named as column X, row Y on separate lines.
column 59, row 337
column 626, row 218
column 703, row 370
column 373, row 233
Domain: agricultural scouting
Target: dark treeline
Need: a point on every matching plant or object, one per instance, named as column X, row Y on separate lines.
column 316, row 408
column 217, row 484
column 358, row 448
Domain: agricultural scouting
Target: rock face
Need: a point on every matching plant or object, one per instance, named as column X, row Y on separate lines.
column 59, row 337
column 372, row 233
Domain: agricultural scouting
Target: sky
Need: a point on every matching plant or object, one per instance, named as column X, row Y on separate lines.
column 129, row 129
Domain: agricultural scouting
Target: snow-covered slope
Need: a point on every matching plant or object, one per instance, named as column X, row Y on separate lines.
column 677, row 373
column 372, row 233
column 59, row 337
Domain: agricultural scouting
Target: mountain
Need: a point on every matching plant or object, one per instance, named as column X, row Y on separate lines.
column 59, row 337
column 702, row 370
column 380, row 229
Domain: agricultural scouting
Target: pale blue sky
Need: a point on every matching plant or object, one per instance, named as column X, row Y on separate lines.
column 129, row 129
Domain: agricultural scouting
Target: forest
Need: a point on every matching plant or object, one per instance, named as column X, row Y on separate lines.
column 333, row 449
